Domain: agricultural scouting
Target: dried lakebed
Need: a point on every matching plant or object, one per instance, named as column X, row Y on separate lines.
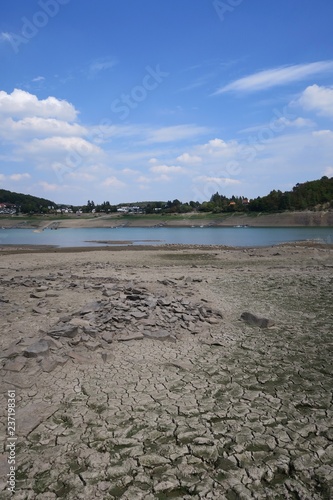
column 187, row 374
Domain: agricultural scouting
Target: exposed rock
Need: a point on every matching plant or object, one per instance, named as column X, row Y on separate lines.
column 108, row 337
column 15, row 365
column 13, row 350
column 41, row 347
column 92, row 307
column 160, row 335
column 254, row 320
column 64, row 330
column 51, row 363
column 35, row 295
column 40, row 310
column 126, row 337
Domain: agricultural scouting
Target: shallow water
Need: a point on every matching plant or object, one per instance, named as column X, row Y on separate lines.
column 230, row 236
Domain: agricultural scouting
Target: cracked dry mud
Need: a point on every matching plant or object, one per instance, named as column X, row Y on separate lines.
column 136, row 377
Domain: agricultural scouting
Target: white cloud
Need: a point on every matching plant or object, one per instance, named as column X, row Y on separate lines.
column 113, row 182
column 276, row 76
column 38, row 79
column 19, row 177
column 81, row 176
column 20, row 104
column 143, row 179
column 174, row 133
column 129, row 171
column 15, row 177
column 37, row 126
column 318, row 99
column 47, row 186
column 101, row 65
column 6, row 37
column 60, row 145
column 216, row 180
column 189, row 159
column 165, row 169
column 163, row 178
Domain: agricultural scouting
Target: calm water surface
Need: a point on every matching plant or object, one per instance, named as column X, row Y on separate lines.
column 231, row 236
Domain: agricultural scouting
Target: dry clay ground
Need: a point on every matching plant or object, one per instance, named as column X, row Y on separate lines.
column 139, row 389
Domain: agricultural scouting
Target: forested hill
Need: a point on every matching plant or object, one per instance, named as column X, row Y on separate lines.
column 25, row 202
column 308, row 195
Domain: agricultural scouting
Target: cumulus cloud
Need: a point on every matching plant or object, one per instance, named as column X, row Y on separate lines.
column 37, row 126
column 20, row 104
column 113, row 182
column 15, row 177
column 318, row 99
column 165, row 169
column 61, row 144
column 189, row 159
column 19, row 177
column 47, row 186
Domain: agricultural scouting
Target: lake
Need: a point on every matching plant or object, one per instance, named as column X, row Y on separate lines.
column 230, row 236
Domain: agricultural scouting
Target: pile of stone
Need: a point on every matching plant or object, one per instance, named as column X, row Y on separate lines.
column 125, row 314
column 133, row 313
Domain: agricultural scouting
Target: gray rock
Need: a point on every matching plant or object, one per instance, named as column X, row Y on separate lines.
column 92, row 307
column 252, row 319
column 138, row 315
column 15, row 365
column 51, row 363
column 159, row 335
column 38, row 348
column 91, row 345
column 40, row 310
column 65, row 330
column 13, row 350
column 164, row 302
column 126, row 337
column 108, row 337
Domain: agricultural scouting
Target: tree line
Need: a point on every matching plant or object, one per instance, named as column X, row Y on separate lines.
column 309, row 195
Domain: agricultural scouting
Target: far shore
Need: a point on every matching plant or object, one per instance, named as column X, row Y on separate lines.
column 285, row 219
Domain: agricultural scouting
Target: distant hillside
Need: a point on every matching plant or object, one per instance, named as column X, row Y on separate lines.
column 26, row 202
column 305, row 196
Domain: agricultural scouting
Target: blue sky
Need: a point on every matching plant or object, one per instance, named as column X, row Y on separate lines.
column 157, row 100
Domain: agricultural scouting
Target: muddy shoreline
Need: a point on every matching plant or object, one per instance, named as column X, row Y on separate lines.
column 137, row 376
